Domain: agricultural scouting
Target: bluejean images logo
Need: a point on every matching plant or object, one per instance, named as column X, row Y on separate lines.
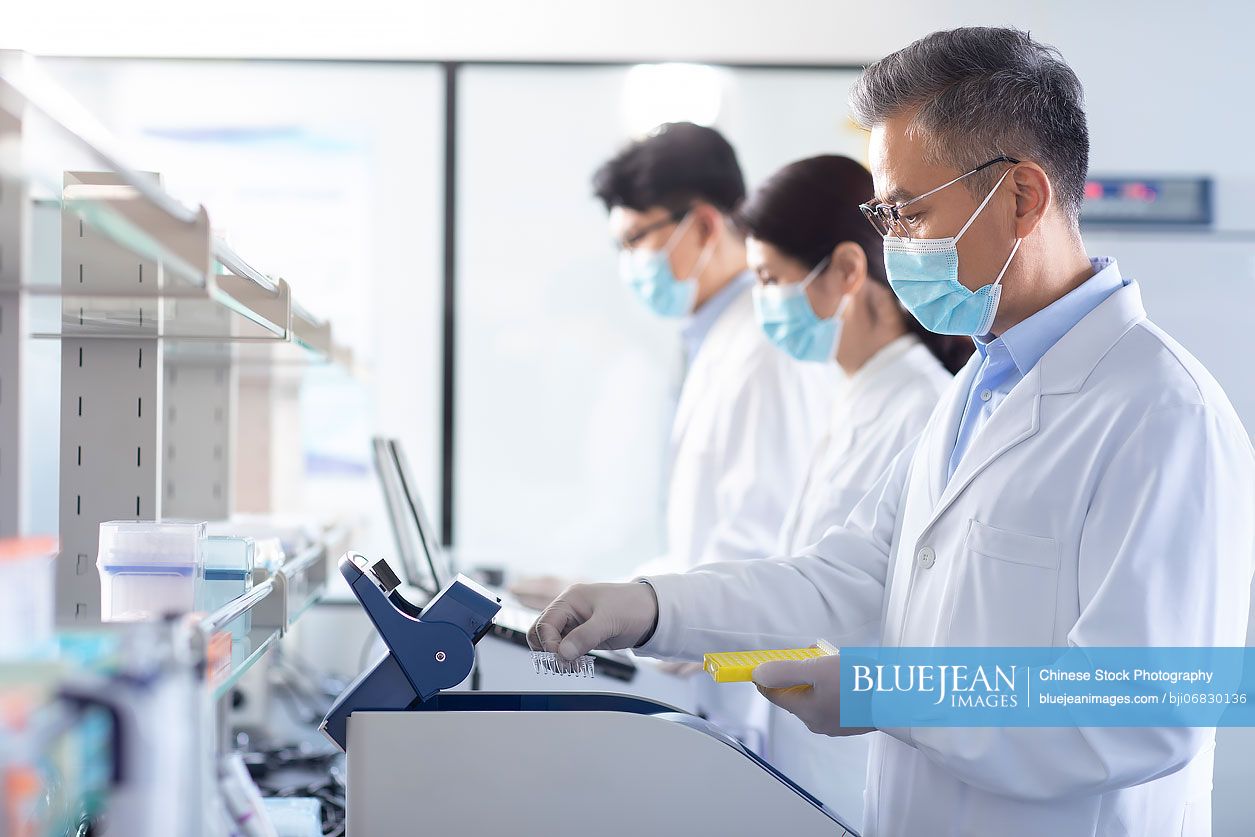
column 1047, row 687
column 959, row 686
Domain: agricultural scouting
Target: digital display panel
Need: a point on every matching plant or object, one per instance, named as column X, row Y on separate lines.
column 1134, row 201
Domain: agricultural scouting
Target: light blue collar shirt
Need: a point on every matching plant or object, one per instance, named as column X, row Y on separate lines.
column 698, row 324
column 1005, row 360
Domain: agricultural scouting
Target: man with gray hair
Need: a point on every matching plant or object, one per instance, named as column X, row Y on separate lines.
column 1085, row 483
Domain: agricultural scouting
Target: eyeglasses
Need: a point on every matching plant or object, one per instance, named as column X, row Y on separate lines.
column 635, row 238
column 887, row 218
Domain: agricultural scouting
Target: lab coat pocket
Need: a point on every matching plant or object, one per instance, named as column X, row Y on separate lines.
column 1006, row 588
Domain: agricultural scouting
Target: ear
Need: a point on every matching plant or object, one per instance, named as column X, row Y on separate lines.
column 1033, row 197
column 708, row 222
column 848, row 267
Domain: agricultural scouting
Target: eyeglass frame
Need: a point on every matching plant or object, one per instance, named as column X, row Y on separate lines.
column 675, row 216
column 875, row 213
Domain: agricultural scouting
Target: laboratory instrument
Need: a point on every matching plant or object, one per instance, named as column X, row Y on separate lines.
column 403, row 713
column 428, row 567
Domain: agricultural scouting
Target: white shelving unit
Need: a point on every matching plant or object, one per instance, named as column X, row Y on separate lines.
column 180, row 374
column 170, row 340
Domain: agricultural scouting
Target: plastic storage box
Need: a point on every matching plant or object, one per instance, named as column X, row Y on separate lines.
column 294, row 532
column 26, row 597
column 228, row 575
column 149, row 568
column 268, row 554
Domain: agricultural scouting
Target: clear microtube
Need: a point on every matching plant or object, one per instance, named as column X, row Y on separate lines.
column 546, row 662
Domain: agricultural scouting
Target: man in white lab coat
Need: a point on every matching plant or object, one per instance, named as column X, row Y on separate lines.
column 748, row 416
column 1085, row 482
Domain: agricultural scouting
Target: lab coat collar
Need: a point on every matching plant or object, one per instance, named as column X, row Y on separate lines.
column 696, row 326
column 883, row 372
column 886, row 357
column 1025, row 343
column 1068, row 364
column 1063, row 369
column 1015, row 420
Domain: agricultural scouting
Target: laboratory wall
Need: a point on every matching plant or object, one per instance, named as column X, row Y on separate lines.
column 565, row 384
column 1164, row 80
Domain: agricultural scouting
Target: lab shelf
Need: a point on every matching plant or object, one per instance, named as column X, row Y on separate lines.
column 227, row 309
column 310, row 344
column 265, row 603
column 251, row 648
column 310, row 333
column 205, row 291
column 275, row 602
column 305, row 578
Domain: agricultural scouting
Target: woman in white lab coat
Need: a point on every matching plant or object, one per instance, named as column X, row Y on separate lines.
column 822, row 297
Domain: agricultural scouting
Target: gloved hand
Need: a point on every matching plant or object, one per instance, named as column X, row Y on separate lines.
column 809, row 689
column 588, row 616
column 538, row 591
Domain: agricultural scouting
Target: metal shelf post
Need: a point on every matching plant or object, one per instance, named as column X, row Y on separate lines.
column 111, row 416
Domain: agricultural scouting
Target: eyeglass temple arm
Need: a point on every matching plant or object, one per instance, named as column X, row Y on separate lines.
column 1001, row 159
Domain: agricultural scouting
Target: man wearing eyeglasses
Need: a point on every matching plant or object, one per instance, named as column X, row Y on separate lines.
column 1086, row 482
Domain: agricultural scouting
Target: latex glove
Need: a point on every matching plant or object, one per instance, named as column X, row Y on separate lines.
column 588, row 616
column 809, row 689
column 538, row 591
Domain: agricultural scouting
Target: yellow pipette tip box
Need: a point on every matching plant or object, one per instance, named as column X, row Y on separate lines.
column 738, row 666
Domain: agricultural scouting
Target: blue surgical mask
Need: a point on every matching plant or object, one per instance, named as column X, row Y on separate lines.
column 924, row 273
column 790, row 322
column 648, row 273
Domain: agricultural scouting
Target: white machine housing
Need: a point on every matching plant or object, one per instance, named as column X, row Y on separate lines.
column 611, row 773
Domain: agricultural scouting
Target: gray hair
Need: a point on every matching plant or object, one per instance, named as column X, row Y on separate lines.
column 980, row 92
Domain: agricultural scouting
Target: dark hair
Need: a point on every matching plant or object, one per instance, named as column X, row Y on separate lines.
column 809, row 207
column 678, row 163
column 981, row 92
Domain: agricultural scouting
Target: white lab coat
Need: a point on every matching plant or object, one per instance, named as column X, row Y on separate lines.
column 876, row 412
column 745, row 425
column 746, row 422
column 1107, row 501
